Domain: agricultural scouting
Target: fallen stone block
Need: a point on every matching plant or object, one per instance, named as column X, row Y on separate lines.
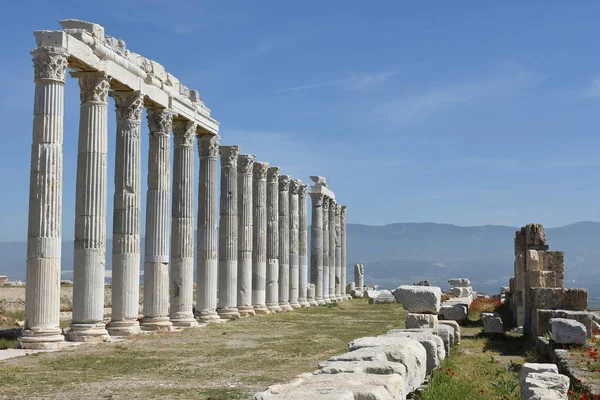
column 419, row 299
column 454, row 312
column 414, row 320
column 371, row 294
column 462, row 291
column 357, row 294
column 384, row 297
column 568, row 331
column 545, row 385
column 366, row 354
column 367, row 367
column 541, row 320
column 459, row 282
column 493, row 324
column 454, row 325
column 528, row 368
column 444, row 332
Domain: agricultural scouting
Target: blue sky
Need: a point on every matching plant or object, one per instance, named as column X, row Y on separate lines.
column 457, row 112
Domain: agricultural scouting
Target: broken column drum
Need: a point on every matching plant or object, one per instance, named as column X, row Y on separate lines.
column 316, row 248
column 303, row 247
column 272, row 280
column 244, row 284
column 294, row 246
column 284, row 242
column 259, row 237
column 359, row 277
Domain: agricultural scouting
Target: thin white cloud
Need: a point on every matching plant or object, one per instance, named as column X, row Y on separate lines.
column 593, row 88
column 352, row 81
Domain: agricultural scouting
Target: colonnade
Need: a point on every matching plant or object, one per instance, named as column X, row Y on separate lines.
column 251, row 248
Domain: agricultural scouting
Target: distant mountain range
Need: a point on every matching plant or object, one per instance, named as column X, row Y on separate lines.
column 405, row 253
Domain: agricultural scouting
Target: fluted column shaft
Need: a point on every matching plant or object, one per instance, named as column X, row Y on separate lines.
column 303, row 246
column 338, row 253
column 284, row 242
column 272, row 281
column 228, row 234
column 343, row 252
column 245, row 233
column 156, row 260
column 332, row 242
column 259, row 236
column 294, row 245
column 126, row 214
column 208, row 234
column 316, row 248
column 42, row 304
column 326, row 270
column 90, row 210
column 182, row 226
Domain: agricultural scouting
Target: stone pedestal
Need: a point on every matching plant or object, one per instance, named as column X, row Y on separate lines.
column 208, row 234
column 333, row 277
column 259, row 237
column 338, row 255
column 228, row 234
column 316, row 249
column 272, row 281
column 42, row 305
column 303, row 247
column 294, row 246
column 90, row 211
column 284, row 242
column 156, row 262
column 182, row 226
column 326, row 279
column 359, row 277
column 244, row 283
column 125, row 285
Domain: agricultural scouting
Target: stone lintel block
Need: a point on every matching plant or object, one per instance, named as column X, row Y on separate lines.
column 50, row 38
column 95, row 30
column 568, row 331
column 322, row 190
column 415, row 321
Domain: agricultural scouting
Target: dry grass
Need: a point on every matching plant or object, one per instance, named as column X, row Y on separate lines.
column 221, row 361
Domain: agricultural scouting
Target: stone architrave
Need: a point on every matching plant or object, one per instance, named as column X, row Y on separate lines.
column 359, row 277
column 259, row 237
column 244, row 283
column 90, row 210
column 125, row 283
column 228, row 234
column 208, row 233
column 182, row 226
column 156, row 263
column 316, row 248
column 303, row 247
column 42, row 305
column 326, row 280
column 333, row 277
column 294, row 246
column 338, row 255
column 272, row 281
column 345, row 292
column 284, row 242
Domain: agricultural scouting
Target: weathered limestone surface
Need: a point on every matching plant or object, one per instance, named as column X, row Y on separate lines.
column 459, row 282
column 414, row 320
column 545, row 385
column 367, row 367
column 359, row 277
column 42, row 307
column 284, row 242
column 127, row 214
column 492, row 323
column 303, row 247
column 332, row 252
column 294, row 247
column 245, row 230
column 326, row 270
column 316, row 248
column 454, row 325
column 272, row 289
column 382, row 297
column 529, row 368
column 90, row 210
column 156, row 261
column 345, row 292
column 419, row 299
column 455, row 312
column 568, row 331
column 339, row 289
column 259, row 237
column 182, row 226
column 542, row 322
column 208, row 234
column 228, row 234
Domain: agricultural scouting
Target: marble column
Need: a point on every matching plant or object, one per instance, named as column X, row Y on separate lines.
column 182, row 226
column 244, row 283
column 316, row 248
column 89, row 259
column 272, row 284
column 326, row 280
column 42, row 304
column 125, row 285
column 284, row 242
column 343, row 258
column 294, row 246
column 259, row 237
column 332, row 262
column 156, row 260
column 208, row 234
column 228, row 234
column 338, row 254
column 303, row 246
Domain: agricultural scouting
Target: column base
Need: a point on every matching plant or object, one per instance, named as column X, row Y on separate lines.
column 333, row 300
column 87, row 333
column 153, row 324
column 313, row 302
column 206, row 317
column 295, row 304
column 261, row 309
column 340, row 298
column 285, row 306
column 320, row 302
column 184, row 322
column 42, row 340
column 246, row 311
column 125, row 327
column 274, row 308
column 304, row 303
column 348, row 297
column 228, row 313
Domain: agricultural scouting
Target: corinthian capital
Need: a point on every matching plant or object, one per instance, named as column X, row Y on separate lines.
column 326, row 203
column 303, row 191
column 245, row 163
column 208, row 145
column 338, row 209
column 229, row 156
column 184, row 132
column 128, row 105
column 317, row 199
column 260, row 170
column 50, row 63
column 273, row 175
column 295, row 186
column 284, row 183
column 160, row 120
column 343, row 214
column 93, row 86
